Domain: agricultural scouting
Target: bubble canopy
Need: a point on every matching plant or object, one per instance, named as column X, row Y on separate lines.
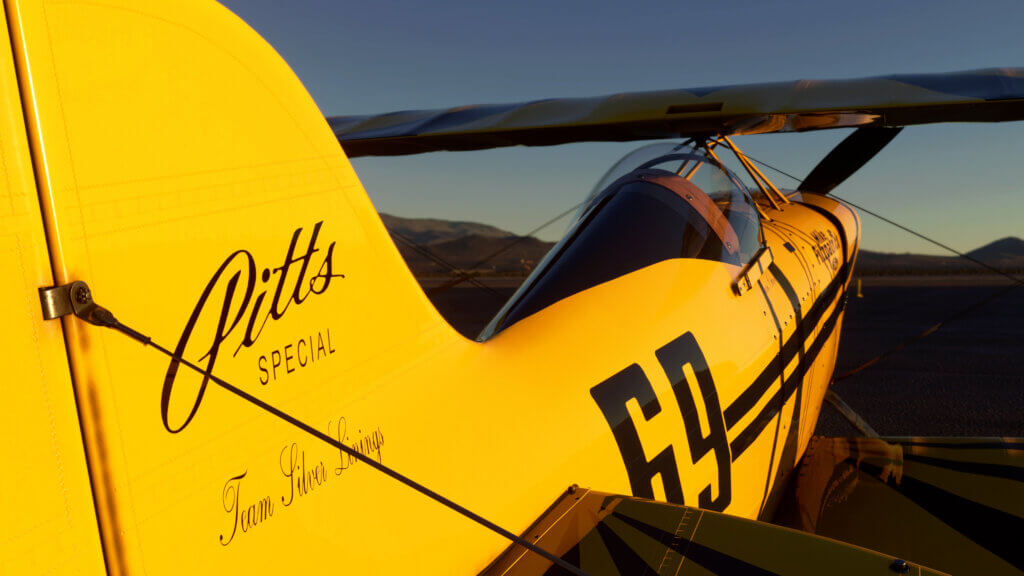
column 660, row 202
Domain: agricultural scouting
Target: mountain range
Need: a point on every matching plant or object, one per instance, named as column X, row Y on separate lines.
column 432, row 247
column 429, row 244
column 1005, row 254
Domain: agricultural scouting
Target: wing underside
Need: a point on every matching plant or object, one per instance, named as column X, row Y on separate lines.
column 990, row 95
column 610, row 534
column 954, row 504
column 855, row 506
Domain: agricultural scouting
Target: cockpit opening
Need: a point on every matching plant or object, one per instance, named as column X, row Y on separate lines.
column 660, row 202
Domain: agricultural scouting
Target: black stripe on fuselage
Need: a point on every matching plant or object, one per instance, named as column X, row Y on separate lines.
column 834, row 293
column 791, row 384
column 747, row 400
column 794, row 346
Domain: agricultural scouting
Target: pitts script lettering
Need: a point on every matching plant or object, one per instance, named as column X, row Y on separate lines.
column 244, row 309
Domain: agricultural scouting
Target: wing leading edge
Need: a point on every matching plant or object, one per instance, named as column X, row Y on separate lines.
column 611, row 534
column 988, row 95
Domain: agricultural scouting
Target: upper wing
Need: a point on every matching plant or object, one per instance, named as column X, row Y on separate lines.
column 990, row 95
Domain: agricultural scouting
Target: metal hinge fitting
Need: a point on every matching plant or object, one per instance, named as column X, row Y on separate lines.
column 74, row 298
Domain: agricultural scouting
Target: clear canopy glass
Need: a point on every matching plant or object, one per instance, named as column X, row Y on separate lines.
column 661, row 202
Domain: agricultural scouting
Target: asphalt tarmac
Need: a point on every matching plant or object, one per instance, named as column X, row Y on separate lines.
column 965, row 379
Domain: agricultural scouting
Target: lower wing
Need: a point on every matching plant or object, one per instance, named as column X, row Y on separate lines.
column 855, row 506
column 610, row 534
column 954, row 504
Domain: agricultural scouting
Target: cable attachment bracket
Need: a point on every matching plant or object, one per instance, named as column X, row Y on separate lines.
column 76, row 298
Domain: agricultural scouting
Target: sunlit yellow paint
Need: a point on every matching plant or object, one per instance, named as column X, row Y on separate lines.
column 48, row 519
column 169, row 136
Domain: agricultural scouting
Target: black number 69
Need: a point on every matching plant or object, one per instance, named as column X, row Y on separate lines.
column 612, row 395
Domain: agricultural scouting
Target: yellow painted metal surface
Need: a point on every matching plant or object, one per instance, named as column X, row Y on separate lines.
column 193, row 183
column 48, row 522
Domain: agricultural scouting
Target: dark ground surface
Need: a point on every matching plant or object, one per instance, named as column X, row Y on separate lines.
column 966, row 379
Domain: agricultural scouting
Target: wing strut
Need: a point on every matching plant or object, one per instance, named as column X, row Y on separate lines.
column 850, row 414
column 762, row 181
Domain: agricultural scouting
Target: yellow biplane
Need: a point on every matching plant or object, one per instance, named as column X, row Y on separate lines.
column 217, row 361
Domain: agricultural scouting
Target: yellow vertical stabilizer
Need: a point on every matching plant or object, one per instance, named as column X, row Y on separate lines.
column 48, row 520
column 188, row 177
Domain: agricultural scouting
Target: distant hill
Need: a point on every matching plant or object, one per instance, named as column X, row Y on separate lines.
column 430, row 230
column 1006, row 254
column 465, row 244
column 1007, row 251
column 517, row 258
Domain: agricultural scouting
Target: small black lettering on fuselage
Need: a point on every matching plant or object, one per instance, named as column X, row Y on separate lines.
column 244, row 517
column 368, row 444
column 302, row 478
column 295, row 356
column 826, row 247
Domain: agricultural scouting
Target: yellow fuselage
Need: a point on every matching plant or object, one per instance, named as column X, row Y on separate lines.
column 166, row 155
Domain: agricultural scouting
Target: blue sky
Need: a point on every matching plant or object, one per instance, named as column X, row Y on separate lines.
column 959, row 183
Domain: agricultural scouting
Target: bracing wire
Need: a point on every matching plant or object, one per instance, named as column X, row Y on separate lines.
column 461, row 274
column 466, row 277
column 106, row 319
column 935, row 242
column 1017, row 282
column 426, row 252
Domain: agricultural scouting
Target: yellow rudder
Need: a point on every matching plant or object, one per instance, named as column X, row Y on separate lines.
column 188, row 177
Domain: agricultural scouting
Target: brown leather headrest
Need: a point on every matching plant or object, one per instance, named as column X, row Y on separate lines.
column 703, row 204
